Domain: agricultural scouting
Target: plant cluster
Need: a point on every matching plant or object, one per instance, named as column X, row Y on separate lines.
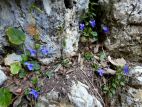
column 29, row 63
column 115, row 81
column 91, row 31
column 88, row 25
column 88, row 56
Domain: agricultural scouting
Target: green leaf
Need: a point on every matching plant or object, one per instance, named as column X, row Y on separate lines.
column 22, row 74
column 113, row 91
column 122, row 83
column 37, row 37
column 105, row 88
column 94, row 3
column 119, row 77
column 36, row 65
column 102, row 56
column 5, row 97
column 110, row 94
column 94, row 34
column 95, row 67
column 85, row 34
column 26, row 92
column 93, row 14
column 64, row 43
column 117, row 82
column 35, row 80
column 114, row 85
column 15, row 36
column 65, row 62
column 24, row 57
column 37, row 46
column 34, row 7
column 15, row 67
column 88, row 56
column 49, row 74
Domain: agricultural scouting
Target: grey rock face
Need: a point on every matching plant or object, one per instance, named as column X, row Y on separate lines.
column 56, row 21
column 12, row 58
column 71, row 27
column 126, row 28
column 3, row 77
column 131, row 98
column 136, row 76
column 78, row 97
column 81, row 98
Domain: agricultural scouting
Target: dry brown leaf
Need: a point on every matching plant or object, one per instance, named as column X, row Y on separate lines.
column 79, row 58
column 117, row 62
column 104, row 80
column 96, row 49
column 19, row 91
column 32, row 30
column 96, row 57
column 81, row 63
column 121, row 61
column 109, row 71
column 104, row 64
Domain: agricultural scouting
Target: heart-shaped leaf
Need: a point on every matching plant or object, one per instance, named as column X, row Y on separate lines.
column 15, row 67
column 15, row 36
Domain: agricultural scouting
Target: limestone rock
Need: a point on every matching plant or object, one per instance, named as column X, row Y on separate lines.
column 126, row 28
column 3, row 77
column 80, row 96
column 130, row 98
column 136, row 71
column 135, row 76
column 12, row 58
column 71, row 27
column 51, row 99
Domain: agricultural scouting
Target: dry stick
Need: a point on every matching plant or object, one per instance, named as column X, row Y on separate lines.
column 8, row 85
column 93, row 87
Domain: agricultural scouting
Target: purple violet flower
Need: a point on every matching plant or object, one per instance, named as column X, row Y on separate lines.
column 92, row 23
column 105, row 29
column 101, row 71
column 32, row 52
column 34, row 93
column 126, row 69
column 44, row 51
column 29, row 66
column 82, row 26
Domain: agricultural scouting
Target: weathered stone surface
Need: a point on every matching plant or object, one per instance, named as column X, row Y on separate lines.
column 136, row 71
column 80, row 96
column 126, row 28
column 56, row 21
column 3, row 77
column 136, row 77
column 12, row 58
column 71, row 27
column 130, row 98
